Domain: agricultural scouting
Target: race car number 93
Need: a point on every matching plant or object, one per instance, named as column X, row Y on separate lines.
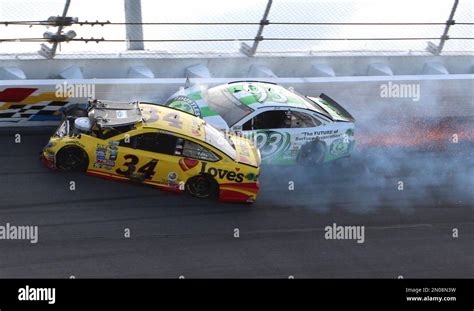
column 271, row 143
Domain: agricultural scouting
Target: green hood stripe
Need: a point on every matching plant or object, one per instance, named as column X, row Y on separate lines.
column 195, row 95
column 248, row 100
column 234, row 88
column 207, row 112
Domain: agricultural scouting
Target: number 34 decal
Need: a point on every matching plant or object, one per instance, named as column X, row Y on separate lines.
column 147, row 170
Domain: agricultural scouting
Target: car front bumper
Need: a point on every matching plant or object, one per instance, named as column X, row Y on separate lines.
column 48, row 160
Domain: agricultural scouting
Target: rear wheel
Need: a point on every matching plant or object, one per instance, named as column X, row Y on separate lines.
column 202, row 186
column 72, row 159
column 311, row 153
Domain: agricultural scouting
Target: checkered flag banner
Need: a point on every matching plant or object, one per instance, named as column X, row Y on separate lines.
column 18, row 105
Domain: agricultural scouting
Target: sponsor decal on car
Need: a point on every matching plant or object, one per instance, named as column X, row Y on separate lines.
column 222, row 174
column 338, row 147
column 185, row 104
column 195, row 128
column 187, row 164
column 101, row 152
column 172, row 176
column 251, row 176
column 121, row 114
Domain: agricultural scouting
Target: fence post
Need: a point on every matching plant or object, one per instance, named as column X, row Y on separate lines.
column 436, row 50
column 47, row 52
column 133, row 14
column 250, row 51
column 60, row 28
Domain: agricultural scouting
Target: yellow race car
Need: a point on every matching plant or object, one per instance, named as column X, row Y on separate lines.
column 155, row 145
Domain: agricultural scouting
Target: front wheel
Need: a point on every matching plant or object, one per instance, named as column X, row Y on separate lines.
column 72, row 159
column 201, row 186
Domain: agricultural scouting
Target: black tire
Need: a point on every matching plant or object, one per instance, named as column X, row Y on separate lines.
column 202, row 186
column 311, row 153
column 72, row 159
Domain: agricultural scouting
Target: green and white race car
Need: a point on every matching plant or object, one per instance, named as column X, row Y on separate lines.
column 287, row 127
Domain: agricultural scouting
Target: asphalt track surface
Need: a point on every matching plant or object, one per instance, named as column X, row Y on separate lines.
column 407, row 233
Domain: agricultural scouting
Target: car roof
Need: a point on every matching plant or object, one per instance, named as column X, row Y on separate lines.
column 173, row 120
column 256, row 101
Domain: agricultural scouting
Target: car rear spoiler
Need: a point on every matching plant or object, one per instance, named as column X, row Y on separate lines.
column 251, row 81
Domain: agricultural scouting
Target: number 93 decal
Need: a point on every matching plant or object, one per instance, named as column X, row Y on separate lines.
column 271, row 143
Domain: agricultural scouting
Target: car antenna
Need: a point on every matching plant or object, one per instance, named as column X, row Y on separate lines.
column 187, row 83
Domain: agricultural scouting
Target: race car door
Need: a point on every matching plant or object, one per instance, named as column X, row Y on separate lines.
column 279, row 132
column 150, row 158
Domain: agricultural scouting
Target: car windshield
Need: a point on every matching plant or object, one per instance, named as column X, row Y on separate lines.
column 228, row 107
column 216, row 138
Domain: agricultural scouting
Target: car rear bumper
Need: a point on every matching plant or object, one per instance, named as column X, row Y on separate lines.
column 239, row 193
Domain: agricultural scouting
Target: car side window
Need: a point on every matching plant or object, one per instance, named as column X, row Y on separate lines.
column 108, row 132
column 196, row 151
column 157, row 142
column 301, row 120
column 154, row 142
column 273, row 119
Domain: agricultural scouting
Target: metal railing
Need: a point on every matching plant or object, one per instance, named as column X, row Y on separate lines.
column 135, row 39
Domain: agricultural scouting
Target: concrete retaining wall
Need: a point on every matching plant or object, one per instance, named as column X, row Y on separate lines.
column 439, row 95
